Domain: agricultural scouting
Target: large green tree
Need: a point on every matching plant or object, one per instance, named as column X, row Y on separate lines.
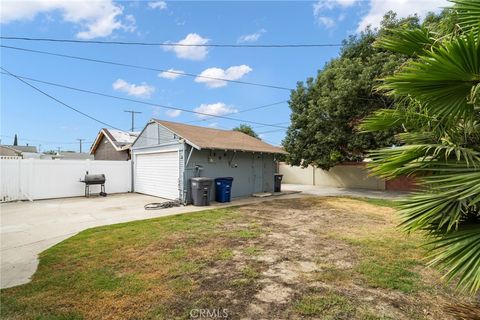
column 438, row 108
column 327, row 110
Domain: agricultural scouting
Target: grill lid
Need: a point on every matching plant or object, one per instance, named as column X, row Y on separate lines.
column 94, row 178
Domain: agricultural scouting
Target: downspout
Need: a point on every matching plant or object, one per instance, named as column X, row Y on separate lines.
column 131, row 171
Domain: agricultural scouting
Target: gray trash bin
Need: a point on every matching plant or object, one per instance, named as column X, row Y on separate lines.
column 201, row 189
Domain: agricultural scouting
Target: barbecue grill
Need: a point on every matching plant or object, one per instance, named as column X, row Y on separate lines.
column 93, row 179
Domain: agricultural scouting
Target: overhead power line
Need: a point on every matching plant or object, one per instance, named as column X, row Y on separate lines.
column 125, row 99
column 279, row 123
column 173, row 44
column 57, row 100
column 144, row 67
column 271, row 131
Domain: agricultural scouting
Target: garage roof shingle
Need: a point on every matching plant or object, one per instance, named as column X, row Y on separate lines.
column 209, row 138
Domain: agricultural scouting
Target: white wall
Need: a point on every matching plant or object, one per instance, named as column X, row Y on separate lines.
column 341, row 176
column 33, row 179
column 297, row 175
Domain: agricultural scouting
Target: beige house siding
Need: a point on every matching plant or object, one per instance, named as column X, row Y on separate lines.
column 105, row 151
column 341, row 176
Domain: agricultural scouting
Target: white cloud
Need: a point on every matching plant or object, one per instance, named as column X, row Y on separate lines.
column 131, row 23
column 171, row 74
column 232, row 73
column 325, row 21
column 160, row 5
column 96, row 18
column 173, row 113
column 403, row 8
column 345, row 3
column 213, row 124
column 321, row 6
column 187, row 52
column 214, row 109
column 143, row 90
column 251, row 37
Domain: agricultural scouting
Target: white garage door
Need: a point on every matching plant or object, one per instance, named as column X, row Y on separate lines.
column 157, row 174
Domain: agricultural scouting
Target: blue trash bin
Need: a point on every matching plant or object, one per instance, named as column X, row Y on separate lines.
column 223, row 188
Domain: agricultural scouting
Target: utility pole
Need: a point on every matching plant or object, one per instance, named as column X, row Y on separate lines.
column 133, row 117
column 80, row 140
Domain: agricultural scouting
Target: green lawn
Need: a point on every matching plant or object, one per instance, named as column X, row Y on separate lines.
column 333, row 258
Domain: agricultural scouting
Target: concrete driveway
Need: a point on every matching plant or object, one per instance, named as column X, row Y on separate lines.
column 28, row 228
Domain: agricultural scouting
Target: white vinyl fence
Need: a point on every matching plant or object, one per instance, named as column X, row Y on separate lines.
column 32, row 179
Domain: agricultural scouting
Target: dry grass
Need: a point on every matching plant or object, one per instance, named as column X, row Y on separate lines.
column 327, row 258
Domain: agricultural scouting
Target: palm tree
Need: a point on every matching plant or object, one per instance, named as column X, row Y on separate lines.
column 438, row 108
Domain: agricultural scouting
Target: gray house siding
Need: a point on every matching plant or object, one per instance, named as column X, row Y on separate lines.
column 105, row 151
column 251, row 172
column 153, row 135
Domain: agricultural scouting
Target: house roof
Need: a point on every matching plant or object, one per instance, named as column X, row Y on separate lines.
column 121, row 140
column 73, row 156
column 9, row 151
column 31, row 149
column 209, row 138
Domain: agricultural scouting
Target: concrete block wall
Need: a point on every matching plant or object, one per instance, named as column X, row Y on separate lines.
column 341, row 176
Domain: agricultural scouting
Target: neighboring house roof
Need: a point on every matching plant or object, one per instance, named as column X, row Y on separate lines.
column 8, row 151
column 31, row 149
column 120, row 140
column 73, row 156
column 209, row 138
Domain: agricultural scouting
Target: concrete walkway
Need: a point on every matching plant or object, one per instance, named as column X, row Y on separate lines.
column 332, row 191
column 28, row 228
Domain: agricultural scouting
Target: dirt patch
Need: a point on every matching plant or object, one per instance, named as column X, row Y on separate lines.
column 273, row 292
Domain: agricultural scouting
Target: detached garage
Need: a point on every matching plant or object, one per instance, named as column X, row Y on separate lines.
column 166, row 155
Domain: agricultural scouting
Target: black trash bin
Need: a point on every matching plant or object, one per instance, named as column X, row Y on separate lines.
column 201, row 188
column 223, row 188
column 278, row 182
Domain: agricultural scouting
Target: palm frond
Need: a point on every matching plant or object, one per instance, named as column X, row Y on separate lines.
column 407, row 41
column 385, row 119
column 443, row 200
column 442, row 80
column 468, row 15
column 421, row 159
column 458, row 253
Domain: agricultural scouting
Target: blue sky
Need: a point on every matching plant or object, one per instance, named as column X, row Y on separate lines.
column 40, row 121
